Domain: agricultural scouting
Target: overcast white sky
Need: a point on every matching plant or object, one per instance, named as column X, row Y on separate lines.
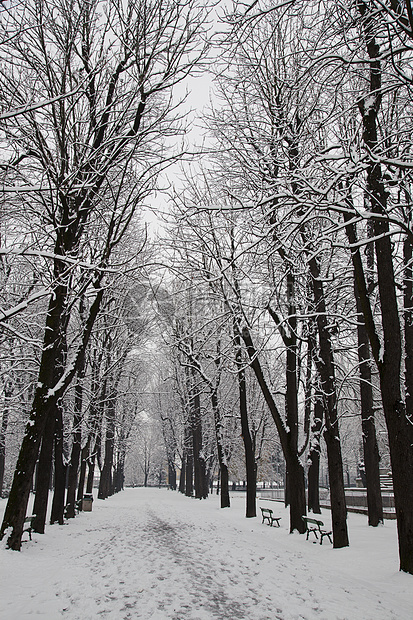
column 198, row 93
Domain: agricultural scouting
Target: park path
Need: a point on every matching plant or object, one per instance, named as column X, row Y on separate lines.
column 154, row 554
column 161, row 561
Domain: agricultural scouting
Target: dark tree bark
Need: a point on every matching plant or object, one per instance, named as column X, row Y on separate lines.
column 70, row 219
column 408, row 322
column 91, row 461
column 82, row 472
column 77, row 434
column 77, row 160
column 296, row 478
column 331, row 434
column 189, row 461
column 182, row 487
column 207, row 479
column 75, row 455
column 44, row 403
column 368, row 427
column 388, row 363
column 119, row 474
column 224, row 489
column 199, row 460
column 168, row 433
column 314, row 457
column 171, row 475
column 58, row 503
column 222, row 456
column 213, row 386
column 43, row 479
column 308, row 390
column 106, row 475
column 291, row 397
column 250, row 462
column 95, row 421
column 388, row 360
column 249, row 443
column 8, row 393
column 96, row 414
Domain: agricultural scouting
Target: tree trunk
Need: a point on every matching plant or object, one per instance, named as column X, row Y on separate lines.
column 250, row 462
column 314, row 457
column 295, row 487
column 93, row 441
column 96, row 433
column 199, row 461
column 49, row 445
column 73, row 470
column 207, row 480
column 189, row 464
column 182, row 473
column 293, row 464
column 337, row 495
column 171, row 475
column 77, row 438
column 58, row 504
column 8, row 392
column 45, row 399
column 296, row 491
column 249, row 445
column 119, row 475
column 325, row 367
column 91, row 462
column 399, row 427
column 408, row 322
column 291, row 396
column 222, row 458
column 43, row 409
column 43, row 479
column 82, row 473
column 106, row 481
column 368, row 427
column 225, row 500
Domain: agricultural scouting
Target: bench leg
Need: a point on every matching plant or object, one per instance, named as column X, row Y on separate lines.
column 325, row 534
column 29, row 531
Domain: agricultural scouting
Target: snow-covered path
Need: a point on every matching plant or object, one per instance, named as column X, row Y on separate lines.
column 154, row 554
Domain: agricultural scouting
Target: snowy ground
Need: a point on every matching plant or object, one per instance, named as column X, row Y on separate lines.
column 155, row 554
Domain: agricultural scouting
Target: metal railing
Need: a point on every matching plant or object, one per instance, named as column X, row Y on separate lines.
column 355, row 497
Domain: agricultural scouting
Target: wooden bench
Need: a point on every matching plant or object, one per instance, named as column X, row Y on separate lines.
column 316, row 526
column 267, row 515
column 28, row 528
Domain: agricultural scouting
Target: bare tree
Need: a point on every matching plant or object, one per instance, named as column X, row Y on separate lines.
column 124, row 57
